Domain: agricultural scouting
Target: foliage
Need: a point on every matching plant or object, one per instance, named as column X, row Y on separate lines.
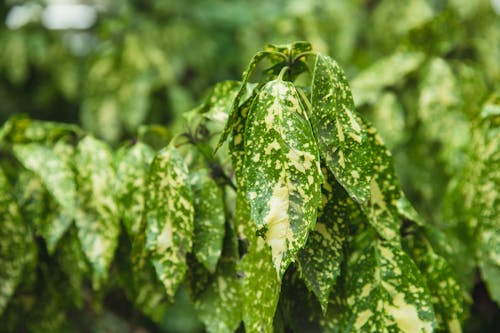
column 125, row 210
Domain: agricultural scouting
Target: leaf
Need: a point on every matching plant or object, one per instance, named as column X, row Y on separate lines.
column 384, row 290
column 55, row 173
column 132, row 176
column 169, row 217
column 386, row 72
column 352, row 149
column 209, row 219
column 260, row 287
column 20, row 129
column 219, row 307
column 281, row 170
column 13, row 247
column 439, row 106
column 320, row 260
column 232, row 116
column 447, row 297
column 97, row 216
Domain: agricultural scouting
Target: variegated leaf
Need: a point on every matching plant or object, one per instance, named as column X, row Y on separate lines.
column 13, row 247
column 219, row 307
column 55, row 173
column 260, row 287
column 485, row 208
column 352, row 149
column 232, row 117
column 447, row 296
column 320, row 261
column 132, row 175
column 209, row 219
column 97, row 213
column 39, row 208
column 281, row 170
column 169, row 217
column 20, row 129
column 384, row 291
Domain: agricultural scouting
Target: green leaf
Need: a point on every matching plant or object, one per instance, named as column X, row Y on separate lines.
column 447, row 297
column 97, row 213
column 219, row 307
column 169, row 217
column 55, row 173
column 20, row 129
column 320, row 261
column 439, row 106
column 13, row 247
column 281, row 170
column 132, row 176
column 352, row 149
column 384, row 290
column 386, row 72
column 209, row 219
column 260, row 287
column 232, row 117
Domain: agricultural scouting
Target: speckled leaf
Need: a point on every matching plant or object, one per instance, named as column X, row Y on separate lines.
column 260, row 287
column 352, row 149
column 20, row 129
column 55, row 173
column 232, row 117
column 485, row 208
column 447, row 297
column 38, row 207
column 218, row 105
column 320, row 260
column 97, row 213
column 219, row 307
column 281, row 170
column 131, row 174
column 209, row 219
column 439, row 106
column 169, row 217
column 15, row 237
column 386, row 72
column 385, row 292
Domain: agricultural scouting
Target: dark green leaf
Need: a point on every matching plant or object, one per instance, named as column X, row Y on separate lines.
column 281, row 170
column 169, row 217
column 209, row 219
column 219, row 307
column 352, row 149
column 320, row 260
column 13, row 247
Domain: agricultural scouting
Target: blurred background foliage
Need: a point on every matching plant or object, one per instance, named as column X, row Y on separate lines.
column 420, row 70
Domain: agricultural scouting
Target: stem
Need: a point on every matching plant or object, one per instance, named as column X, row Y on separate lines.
column 282, row 72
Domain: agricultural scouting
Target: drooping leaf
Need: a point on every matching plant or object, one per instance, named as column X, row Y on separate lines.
column 232, row 116
column 447, row 296
column 352, row 149
column 320, row 261
column 169, row 217
column 209, row 219
column 439, row 107
column 97, row 217
column 281, row 170
column 219, row 307
column 384, row 290
column 132, row 175
column 13, row 247
column 259, row 287
column 55, row 173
